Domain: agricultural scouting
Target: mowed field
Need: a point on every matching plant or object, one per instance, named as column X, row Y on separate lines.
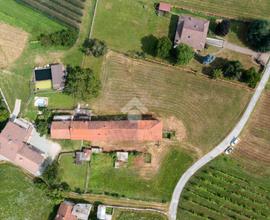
column 20, row 199
column 223, row 190
column 137, row 215
column 207, row 108
column 242, row 9
column 254, row 148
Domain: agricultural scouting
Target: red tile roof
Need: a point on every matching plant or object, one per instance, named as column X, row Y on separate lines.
column 164, row 7
column 65, row 212
column 141, row 130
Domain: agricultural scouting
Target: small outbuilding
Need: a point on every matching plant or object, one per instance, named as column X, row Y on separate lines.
column 121, row 159
column 163, row 8
column 83, row 155
column 103, row 213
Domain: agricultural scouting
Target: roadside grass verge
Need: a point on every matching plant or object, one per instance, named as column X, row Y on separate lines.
column 120, row 214
column 20, row 199
column 125, row 182
column 224, row 183
column 207, row 108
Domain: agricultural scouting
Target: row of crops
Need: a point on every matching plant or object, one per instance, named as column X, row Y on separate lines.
column 218, row 193
column 69, row 12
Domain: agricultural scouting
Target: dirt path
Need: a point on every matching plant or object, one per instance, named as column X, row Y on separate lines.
column 123, row 202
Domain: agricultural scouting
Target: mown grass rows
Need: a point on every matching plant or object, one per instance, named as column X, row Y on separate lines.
column 66, row 11
column 218, row 194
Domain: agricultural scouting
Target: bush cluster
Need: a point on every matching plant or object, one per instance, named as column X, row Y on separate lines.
column 94, row 47
column 65, row 37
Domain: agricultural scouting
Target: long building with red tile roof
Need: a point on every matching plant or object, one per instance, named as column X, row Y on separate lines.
column 125, row 130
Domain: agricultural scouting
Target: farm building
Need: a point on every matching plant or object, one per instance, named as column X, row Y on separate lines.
column 103, row 213
column 70, row 211
column 110, row 131
column 50, row 77
column 191, row 31
column 163, row 8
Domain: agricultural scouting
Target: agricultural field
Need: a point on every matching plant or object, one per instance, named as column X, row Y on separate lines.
column 127, row 182
column 254, row 147
column 224, row 185
column 244, row 9
column 69, row 12
column 20, row 199
column 71, row 173
column 207, row 109
column 129, row 26
column 136, row 215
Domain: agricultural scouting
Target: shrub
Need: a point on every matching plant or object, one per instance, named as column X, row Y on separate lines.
column 233, row 70
column 164, row 47
column 251, row 77
column 81, row 83
column 184, row 54
column 65, row 37
column 216, row 73
column 223, row 28
column 94, row 47
column 258, row 35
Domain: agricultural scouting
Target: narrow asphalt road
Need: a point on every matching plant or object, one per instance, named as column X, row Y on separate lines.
column 219, row 149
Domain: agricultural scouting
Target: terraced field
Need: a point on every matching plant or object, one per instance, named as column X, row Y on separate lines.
column 245, row 9
column 254, row 148
column 222, row 190
column 208, row 109
column 69, row 12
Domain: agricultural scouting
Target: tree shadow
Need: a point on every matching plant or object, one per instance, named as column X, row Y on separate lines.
column 149, row 44
column 53, row 212
column 172, row 27
column 240, row 28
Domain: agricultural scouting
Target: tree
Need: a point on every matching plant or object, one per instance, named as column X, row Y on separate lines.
column 94, row 47
column 184, row 54
column 43, row 121
column 258, row 35
column 216, row 73
column 82, row 83
column 223, row 28
column 4, row 114
column 233, row 70
column 65, row 37
column 51, row 174
column 251, row 77
column 164, row 47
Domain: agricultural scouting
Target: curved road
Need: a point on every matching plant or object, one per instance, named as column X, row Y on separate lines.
column 219, row 149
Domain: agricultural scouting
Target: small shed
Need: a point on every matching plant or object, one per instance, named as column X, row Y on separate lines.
column 83, row 155
column 82, row 211
column 163, row 8
column 121, row 159
column 102, row 213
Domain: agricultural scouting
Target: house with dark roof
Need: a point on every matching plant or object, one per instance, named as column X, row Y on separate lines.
column 191, row 31
column 50, row 77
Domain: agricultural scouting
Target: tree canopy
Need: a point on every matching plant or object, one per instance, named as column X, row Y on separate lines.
column 43, row 121
column 223, row 28
column 164, row 47
column 81, row 83
column 251, row 77
column 184, row 54
column 258, row 35
column 94, row 47
column 65, row 37
column 233, row 70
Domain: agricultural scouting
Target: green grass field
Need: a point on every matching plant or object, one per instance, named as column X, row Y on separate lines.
column 71, row 173
column 126, row 25
column 20, row 199
column 207, row 108
column 136, row 215
column 224, row 185
column 244, row 9
column 126, row 181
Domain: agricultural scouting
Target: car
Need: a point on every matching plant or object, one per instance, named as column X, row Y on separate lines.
column 208, row 59
column 228, row 150
column 235, row 141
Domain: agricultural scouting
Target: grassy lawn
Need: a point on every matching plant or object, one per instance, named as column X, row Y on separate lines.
column 20, row 199
column 244, row 9
column 207, row 108
column 136, row 215
column 126, row 181
column 71, row 173
column 127, row 26
column 224, row 183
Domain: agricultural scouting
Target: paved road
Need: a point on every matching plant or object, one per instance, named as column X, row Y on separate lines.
column 219, row 149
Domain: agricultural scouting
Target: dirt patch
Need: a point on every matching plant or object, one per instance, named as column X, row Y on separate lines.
column 12, row 43
column 173, row 124
column 108, row 6
column 52, row 57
